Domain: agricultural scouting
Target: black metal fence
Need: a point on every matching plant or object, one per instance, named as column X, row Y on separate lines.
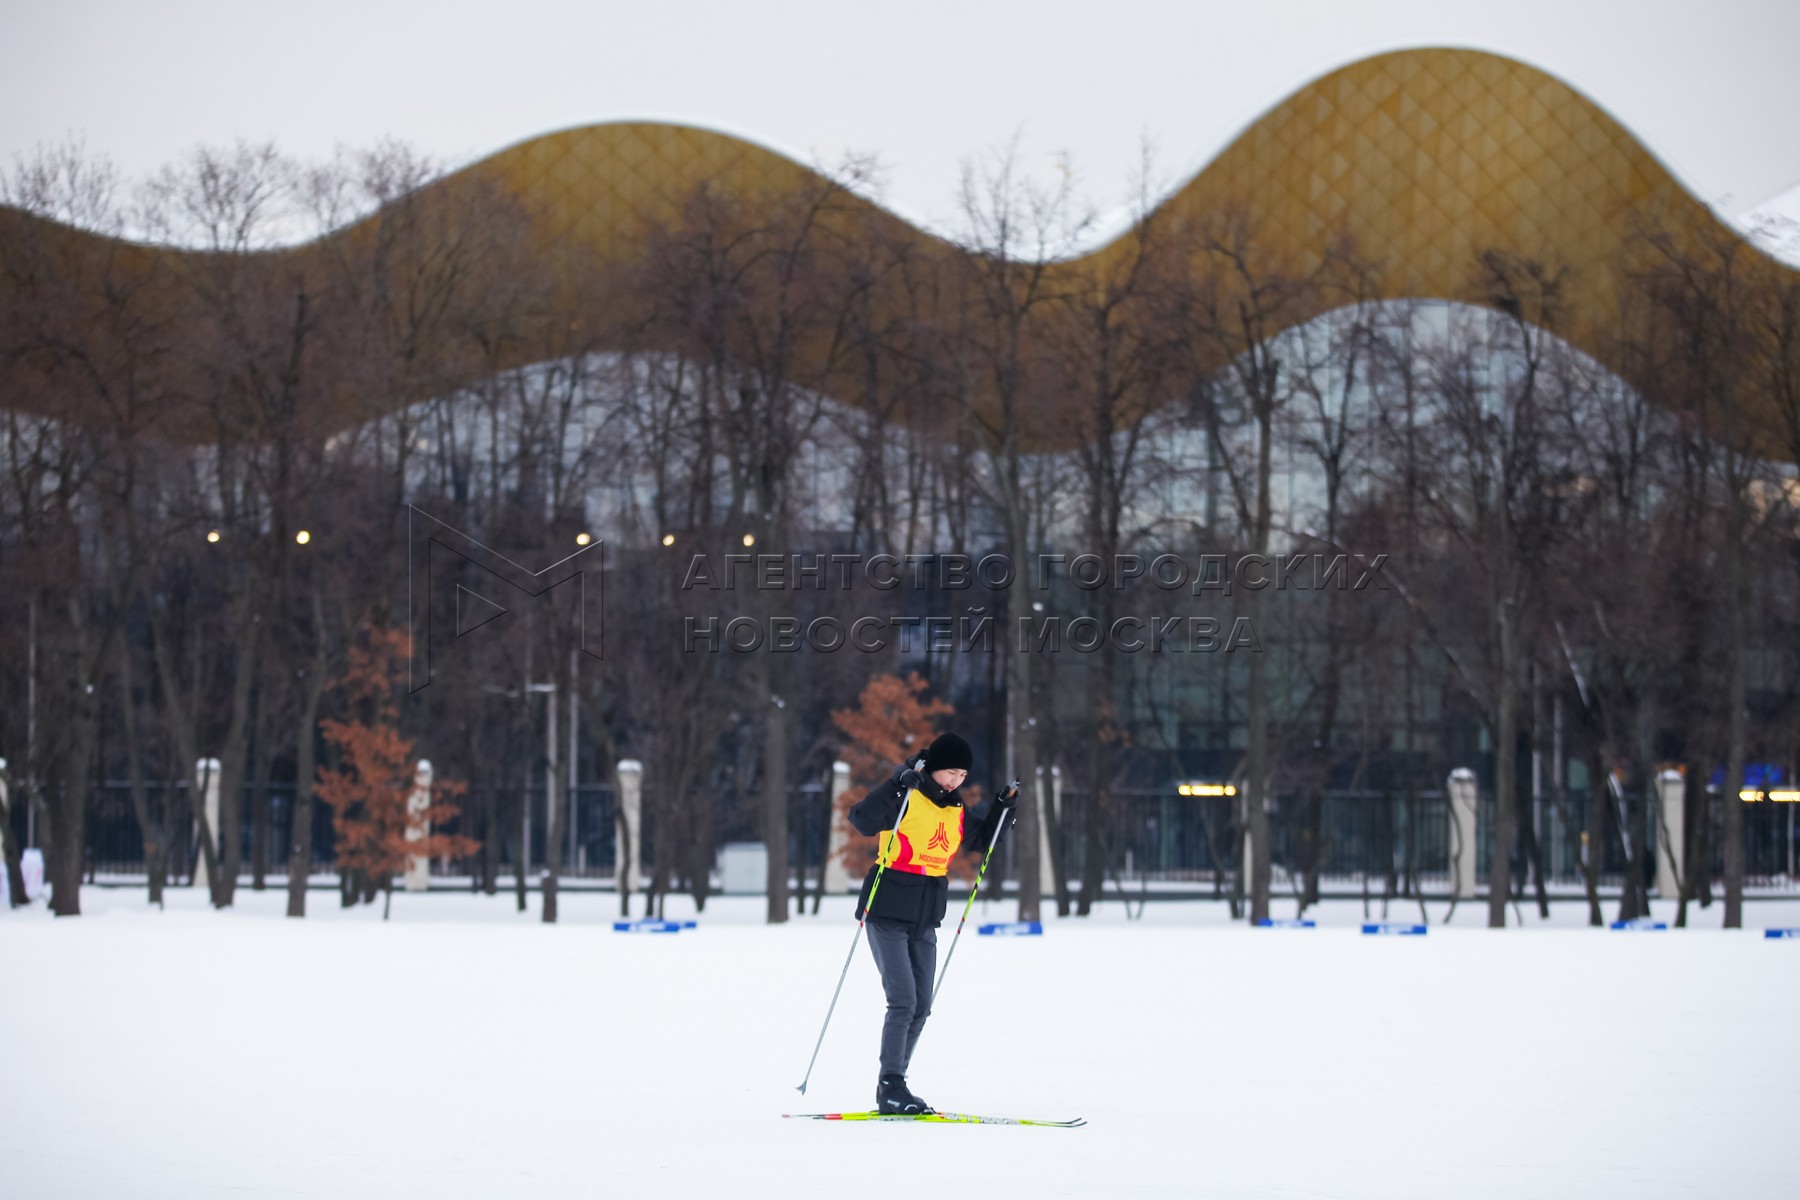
column 1357, row 841
column 1382, row 843
column 510, row 816
column 1351, row 839
column 115, row 839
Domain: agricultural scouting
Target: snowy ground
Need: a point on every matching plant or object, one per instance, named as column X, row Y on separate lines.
column 463, row 1049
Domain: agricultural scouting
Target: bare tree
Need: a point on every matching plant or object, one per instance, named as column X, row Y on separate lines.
column 1003, row 282
column 1240, row 299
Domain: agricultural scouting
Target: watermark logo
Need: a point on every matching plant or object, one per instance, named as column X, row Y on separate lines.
column 438, row 615
column 1029, row 628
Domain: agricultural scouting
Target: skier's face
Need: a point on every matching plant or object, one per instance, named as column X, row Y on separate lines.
column 951, row 779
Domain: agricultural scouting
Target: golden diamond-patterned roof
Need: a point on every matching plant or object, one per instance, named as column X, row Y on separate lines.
column 1428, row 157
column 1423, row 158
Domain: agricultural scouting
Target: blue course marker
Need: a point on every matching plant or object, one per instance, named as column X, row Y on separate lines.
column 646, row 925
column 1011, row 929
column 1394, row 928
column 1782, row 933
column 1640, row 923
column 1286, row 923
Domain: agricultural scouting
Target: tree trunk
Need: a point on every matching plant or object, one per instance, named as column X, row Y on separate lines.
column 1628, row 878
column 1312, row 816
column 151, row 829
column 828, row 815
column 67, row 855
column 553, row 803
column 300, row 847
column 1093, row 825
column 520, row 837
column 179, row 724
column 1599, row 803
column 1634, row 896
column 9, row 845
column 1506, row 744
column 232, row 755
column 1053, row 830
column 1022, row 731
column 1257, row 772
column 1731, row 830
column 491, row 839
column 775, row 808
column 801, row 865
column 263, row 763
column 1533, row 826
column 1533, row 849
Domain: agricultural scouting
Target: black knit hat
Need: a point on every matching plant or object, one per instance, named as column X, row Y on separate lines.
column 949, row 753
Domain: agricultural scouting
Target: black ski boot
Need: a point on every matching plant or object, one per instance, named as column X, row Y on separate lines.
column 893, row 1098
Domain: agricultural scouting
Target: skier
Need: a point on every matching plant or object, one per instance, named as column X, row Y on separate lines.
column 918, row 819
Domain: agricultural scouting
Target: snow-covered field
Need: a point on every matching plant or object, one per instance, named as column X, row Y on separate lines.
column 463, row 1049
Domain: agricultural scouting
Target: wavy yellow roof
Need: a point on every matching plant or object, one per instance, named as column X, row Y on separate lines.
column 1425, row 158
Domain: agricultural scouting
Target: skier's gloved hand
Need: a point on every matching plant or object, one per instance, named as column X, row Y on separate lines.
column 906, row 776
column 1006, row 804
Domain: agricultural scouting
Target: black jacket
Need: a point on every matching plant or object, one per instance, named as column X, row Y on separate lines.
column 916, row 900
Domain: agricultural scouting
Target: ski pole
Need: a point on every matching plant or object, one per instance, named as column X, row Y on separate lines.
column 880, row 867
column 1012, row 788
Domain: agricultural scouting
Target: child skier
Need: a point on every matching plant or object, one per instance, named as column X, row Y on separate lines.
column 918, row 819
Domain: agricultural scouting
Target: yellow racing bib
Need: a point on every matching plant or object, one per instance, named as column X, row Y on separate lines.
column 926, row 839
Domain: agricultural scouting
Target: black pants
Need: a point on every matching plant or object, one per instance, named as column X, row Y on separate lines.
column 907, row 960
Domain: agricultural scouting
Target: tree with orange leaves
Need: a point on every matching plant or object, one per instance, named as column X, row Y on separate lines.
column 369, row 788
column 890, row 723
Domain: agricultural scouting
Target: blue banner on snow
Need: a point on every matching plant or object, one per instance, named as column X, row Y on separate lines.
column 1286, row 923
column 1394, row 928
column 646, row 925
column 1781, row 933
column 1011, row 929
column 1640, row 923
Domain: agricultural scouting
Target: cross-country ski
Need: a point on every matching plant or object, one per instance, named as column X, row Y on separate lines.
column 938, row 1118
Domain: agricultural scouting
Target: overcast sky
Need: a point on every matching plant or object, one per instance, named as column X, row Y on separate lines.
column 1713, row 88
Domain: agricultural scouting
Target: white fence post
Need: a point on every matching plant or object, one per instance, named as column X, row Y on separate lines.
column 208, row 771
column 837, row 880
column 1671, row 791
column 418, row 827
column 628, row 840
column 1463, row 807
column 1049, row 800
